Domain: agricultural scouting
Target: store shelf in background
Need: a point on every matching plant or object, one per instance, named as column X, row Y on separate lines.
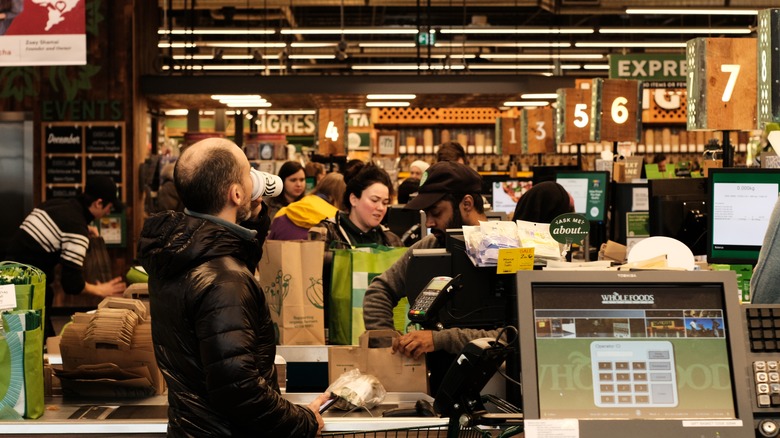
column 434, row 116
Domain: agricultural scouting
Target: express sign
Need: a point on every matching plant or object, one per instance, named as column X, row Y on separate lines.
column 653, row 67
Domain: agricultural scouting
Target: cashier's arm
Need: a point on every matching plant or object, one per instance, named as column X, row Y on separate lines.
column 414, row 344
column 115, row 286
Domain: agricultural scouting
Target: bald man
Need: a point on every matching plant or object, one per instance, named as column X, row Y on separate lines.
column 211, row 327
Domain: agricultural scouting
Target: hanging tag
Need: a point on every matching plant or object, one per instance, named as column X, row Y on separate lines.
column 7, row 297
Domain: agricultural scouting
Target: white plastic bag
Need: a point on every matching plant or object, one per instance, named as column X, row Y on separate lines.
column 357, row 390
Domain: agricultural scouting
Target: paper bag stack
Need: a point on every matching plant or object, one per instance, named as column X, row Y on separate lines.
column 110, row 352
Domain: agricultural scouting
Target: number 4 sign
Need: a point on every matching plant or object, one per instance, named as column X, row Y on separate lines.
column 722, row 83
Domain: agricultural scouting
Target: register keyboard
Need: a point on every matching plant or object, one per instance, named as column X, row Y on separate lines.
column 762, row 325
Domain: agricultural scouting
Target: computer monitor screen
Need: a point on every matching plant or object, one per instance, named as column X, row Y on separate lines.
column 507, row 193
column 656, row 353
column 547, row 173
column 740, row 204
column 407, row 224
column 589, row 190
column 678, row 209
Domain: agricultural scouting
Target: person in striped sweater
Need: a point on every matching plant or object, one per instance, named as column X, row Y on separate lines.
column 57, row 233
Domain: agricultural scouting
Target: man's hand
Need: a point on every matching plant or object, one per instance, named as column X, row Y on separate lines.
column 414, row 344
column 114, row 287
column 93, row 231
column 314, row 406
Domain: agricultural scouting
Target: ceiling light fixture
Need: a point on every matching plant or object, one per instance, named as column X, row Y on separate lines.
column 313, row 56
column 522, row 66
column 215, row 31
column 542, row 56
column 691, row 11
column 308, row 45
column 406, row 67
column 516, row 30
column 596, row 66
column 391, row 96
column 539, row 96
column 674, row 30
column 389, row 45
column 610, row 44
column 351, row 31
column 291, row 112
column 387, row 104
column 527, row 103
column 445, row 44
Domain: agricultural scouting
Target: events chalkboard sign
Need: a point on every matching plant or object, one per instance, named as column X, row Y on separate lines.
column 62, row 192
column 63, row 169
column 105, row 165
column 103, row 139
column 62, row 139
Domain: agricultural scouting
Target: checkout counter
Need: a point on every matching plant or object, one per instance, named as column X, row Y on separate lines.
column 148, row 417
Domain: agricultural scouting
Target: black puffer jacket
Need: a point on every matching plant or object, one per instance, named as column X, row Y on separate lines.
column 212, row 331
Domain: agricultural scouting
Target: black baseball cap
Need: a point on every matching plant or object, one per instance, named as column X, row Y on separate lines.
column 443, row 178
column 103, row 187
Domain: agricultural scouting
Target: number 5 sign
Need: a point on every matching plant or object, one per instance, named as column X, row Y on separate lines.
column 722, row 83
column 573, row 114
column 615, row 112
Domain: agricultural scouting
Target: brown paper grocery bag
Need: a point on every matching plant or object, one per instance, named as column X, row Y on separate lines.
column 290, row 274
column 397, row 372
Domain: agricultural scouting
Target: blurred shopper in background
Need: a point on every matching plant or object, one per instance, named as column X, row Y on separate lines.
column 452, row 151
column 417, row 168
column 294, row 180
column 293, row 222
column 543, row 202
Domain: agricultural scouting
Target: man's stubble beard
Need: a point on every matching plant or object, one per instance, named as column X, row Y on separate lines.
column 456, row 221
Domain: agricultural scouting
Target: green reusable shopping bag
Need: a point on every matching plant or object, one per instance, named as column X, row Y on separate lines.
column 21, row 342
column 353, row 271
column 21, row 365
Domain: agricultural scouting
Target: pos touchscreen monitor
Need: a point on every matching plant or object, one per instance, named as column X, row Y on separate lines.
column 641, row 354
column 589, row 191
column 740, row 204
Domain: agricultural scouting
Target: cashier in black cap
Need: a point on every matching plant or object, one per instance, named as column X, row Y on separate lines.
column 450, row 196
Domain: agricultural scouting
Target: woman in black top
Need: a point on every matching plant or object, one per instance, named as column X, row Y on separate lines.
column 365, row 204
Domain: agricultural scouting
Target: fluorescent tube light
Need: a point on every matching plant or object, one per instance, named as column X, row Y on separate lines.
column 610, row 44
column 541, row 56
column 391, row 96
column 407, row 67
column 459, row 44
column 516, row 30
column 215, row 31
column 387, row 104
column 539, row 96
column 290, row 112
column 596, row 66
column 691, row 11
column 389, row 45
column 527, row 103
column 676, row 30
column 236, row 96
column 351, row 31
column 313, row 56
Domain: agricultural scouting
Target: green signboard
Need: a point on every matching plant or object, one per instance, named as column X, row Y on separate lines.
column 649, row 67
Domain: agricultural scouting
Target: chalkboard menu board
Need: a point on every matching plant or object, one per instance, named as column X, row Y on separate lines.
column 63, row 169
column 63, row 139
column 74, row 152
column 105, row 165
column 104, row 139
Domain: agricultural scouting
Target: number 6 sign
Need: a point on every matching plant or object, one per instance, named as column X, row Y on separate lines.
column 722, row 83
column 615, row 104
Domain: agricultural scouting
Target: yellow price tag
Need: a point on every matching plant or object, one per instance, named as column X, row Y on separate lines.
column 511, row 260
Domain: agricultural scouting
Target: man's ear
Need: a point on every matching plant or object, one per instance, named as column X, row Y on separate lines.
column 235, row 194
column 467, row 204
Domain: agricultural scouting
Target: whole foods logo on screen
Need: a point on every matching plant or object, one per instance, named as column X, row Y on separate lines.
column 618, row 298
column 43, row 32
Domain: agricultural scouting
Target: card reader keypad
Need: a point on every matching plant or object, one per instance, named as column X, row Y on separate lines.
column 766, row 374
column 423, row 303
column 763, row 325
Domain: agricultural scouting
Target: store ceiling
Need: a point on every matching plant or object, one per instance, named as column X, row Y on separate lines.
column 258, row 41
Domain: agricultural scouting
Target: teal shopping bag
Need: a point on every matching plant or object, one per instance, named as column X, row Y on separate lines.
column 353, row 271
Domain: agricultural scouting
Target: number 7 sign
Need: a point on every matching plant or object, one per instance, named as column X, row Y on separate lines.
column 722, row 82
